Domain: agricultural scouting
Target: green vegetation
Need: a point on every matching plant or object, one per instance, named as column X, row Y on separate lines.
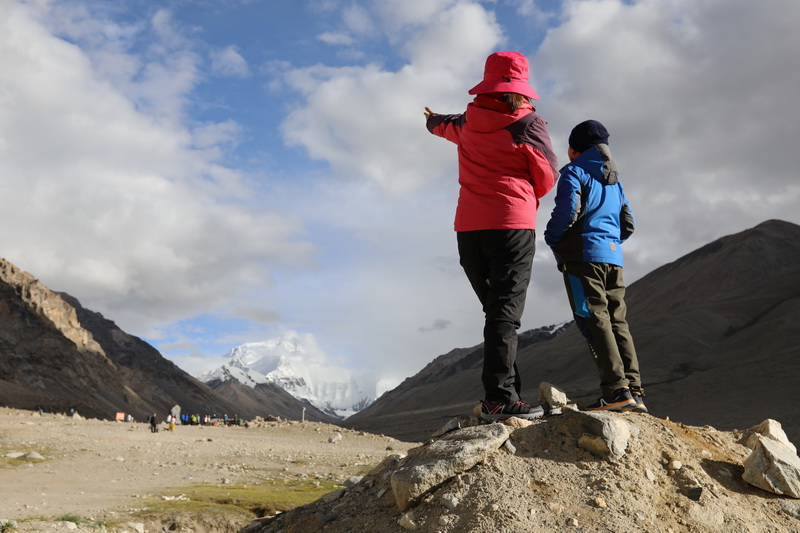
column 269, row 497
column 6, row 527
column 81, row 521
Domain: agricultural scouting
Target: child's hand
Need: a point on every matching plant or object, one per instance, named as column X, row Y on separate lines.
column 428, row 113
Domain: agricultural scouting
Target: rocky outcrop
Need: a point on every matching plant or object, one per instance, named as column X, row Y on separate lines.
column 773, row 465
column 641, row 473
column 427, row 467
column 48, row 305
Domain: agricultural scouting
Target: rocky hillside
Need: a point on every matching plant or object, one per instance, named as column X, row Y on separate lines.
column 57, row 355
column 716, row 333
column 591, row 472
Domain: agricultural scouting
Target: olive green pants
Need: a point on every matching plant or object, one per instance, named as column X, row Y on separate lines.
column 597, row 297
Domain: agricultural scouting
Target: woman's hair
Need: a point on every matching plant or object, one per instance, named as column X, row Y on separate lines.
column 515, row 100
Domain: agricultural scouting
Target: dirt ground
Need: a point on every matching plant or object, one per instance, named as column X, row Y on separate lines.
column 101, row 469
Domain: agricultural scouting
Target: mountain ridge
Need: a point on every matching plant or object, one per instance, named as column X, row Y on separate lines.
column 285, row 363
column 58, row 356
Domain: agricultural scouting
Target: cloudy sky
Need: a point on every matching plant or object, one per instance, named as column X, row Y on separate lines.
column 211, row 173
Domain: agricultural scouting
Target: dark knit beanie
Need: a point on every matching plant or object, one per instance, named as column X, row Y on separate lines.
column 587, row 134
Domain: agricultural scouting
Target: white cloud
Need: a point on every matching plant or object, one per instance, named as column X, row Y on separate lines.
column 229, row 62
column 336, row 38
column 113, row 198
column 368, row 122
column 122, row 197
column 698, row 102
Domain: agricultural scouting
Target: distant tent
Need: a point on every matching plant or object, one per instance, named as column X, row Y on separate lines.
column 120, row 416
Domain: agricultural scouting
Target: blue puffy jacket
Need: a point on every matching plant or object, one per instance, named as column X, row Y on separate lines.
column 591, row 218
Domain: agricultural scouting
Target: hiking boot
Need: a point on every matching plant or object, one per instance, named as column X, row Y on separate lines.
column 638, row 395
column 501, row 411
column 620, row 400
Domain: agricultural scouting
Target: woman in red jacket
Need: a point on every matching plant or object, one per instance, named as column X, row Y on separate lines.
column 505, row 164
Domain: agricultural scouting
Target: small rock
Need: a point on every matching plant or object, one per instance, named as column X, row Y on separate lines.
column 770, row 429
column 336, row 437
column 450, row 501
column 447, row 520
column 552, row 396
column 510, row 447
column 674, row 465
column 600, row 503
column 407, row 522
column 33, row 456
column 774, row 468
column 516, row 422
column 573, row 522
column 452, row 425
column 352, row 481
column 613, row 433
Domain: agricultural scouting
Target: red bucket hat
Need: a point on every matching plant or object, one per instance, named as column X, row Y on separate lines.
column 505, row 72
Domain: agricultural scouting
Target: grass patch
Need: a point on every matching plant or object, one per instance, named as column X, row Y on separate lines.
column 265, row 499
column 84, row 522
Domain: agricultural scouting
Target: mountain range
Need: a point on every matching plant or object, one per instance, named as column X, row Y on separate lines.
column 58, row 356
column 286, row 363
column 716, row 332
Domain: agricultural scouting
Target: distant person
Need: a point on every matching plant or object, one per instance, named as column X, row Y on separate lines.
column 590, row 221
column 153, row 423
column 506, row 164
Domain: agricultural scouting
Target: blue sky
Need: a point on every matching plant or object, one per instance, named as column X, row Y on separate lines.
column 212, row 173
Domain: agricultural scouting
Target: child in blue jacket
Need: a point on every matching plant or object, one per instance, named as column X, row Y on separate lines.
column 589, row 223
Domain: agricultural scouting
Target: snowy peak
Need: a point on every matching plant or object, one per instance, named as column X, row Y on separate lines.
column 299, row 367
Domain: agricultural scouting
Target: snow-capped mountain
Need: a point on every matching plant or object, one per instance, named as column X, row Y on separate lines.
column 299, row 367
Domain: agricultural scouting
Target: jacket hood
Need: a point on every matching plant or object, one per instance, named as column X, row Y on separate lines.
column 486, row 114
column 598, row 162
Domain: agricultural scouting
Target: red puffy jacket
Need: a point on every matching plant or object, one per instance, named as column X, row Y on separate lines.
column 505, row 163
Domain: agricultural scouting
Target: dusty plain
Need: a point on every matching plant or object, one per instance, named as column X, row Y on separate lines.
column 106, row 474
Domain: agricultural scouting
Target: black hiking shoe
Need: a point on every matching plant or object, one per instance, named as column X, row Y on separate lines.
column 501, row 411
column 620, row 400
column 638, row 396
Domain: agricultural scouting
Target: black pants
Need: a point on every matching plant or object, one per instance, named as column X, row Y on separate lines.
column 498, row 265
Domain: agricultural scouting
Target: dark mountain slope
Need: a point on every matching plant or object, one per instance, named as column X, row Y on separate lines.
column 57, row 355
column 269, row 399
column 716, row 333
column 158, row 383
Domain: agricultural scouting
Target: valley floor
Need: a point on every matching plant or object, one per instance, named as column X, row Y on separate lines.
column 103, row 470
